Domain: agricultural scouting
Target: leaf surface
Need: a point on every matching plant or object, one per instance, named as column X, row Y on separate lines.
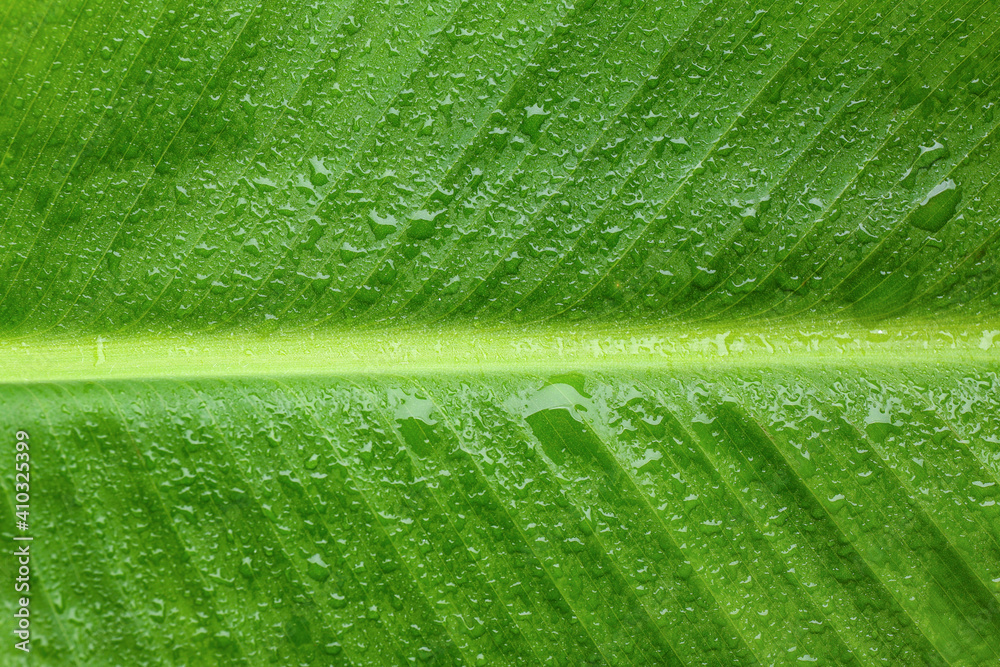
column 502, row 333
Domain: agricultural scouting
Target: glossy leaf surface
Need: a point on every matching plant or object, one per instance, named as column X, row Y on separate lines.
column 493, row 333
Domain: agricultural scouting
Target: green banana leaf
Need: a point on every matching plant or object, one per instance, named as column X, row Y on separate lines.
column 499, row 333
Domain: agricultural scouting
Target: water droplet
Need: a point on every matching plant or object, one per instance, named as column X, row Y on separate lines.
column 318, row 569
column 533, row 119
column 937, row 207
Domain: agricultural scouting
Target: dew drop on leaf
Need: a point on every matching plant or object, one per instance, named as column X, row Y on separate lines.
column 937, row 207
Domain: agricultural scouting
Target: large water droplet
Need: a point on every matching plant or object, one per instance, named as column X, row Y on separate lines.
column 937, row 207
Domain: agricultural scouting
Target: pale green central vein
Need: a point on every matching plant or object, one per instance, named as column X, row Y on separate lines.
column 467, row 349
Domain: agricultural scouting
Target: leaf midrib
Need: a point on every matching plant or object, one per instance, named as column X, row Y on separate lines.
column 465, row 349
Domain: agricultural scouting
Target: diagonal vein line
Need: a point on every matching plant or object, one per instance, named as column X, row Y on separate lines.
column 159, row 497
column 944, row 537
column 890, row 470
column 254, row 402
column 76, row 161
column 379, row 261
column 5, row 29
column 587, row 153
column 983, row 466
column 899, row 224
column 24, row 57
column 950, row 271
column 650, row 510
column 56, row 617
column 481, row 476
column 363, row 143
column 441, row 507
column 968, row 203
column 945, row 590
column 541, row 561
column 618, row 566
column 973, row 254
column 27, row 113
column 55, row 126
column 789, row 170
column 590, row 148
column 875, row 632
column 307, row 409
column 44, row 415
column 70, row 646
column 149, row 178
column 510, row 167
column 844, row 190
column 320, row 601
column 965, row 441
column 398, row 437
column 76, row 400
column 885, row 587
column 924, row 511
column 711, row 148
column 989, row 293
column 262, row 148
column 835, row 622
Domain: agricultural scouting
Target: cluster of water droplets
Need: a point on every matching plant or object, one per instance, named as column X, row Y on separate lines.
column 307, row 163
column 578, row 518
